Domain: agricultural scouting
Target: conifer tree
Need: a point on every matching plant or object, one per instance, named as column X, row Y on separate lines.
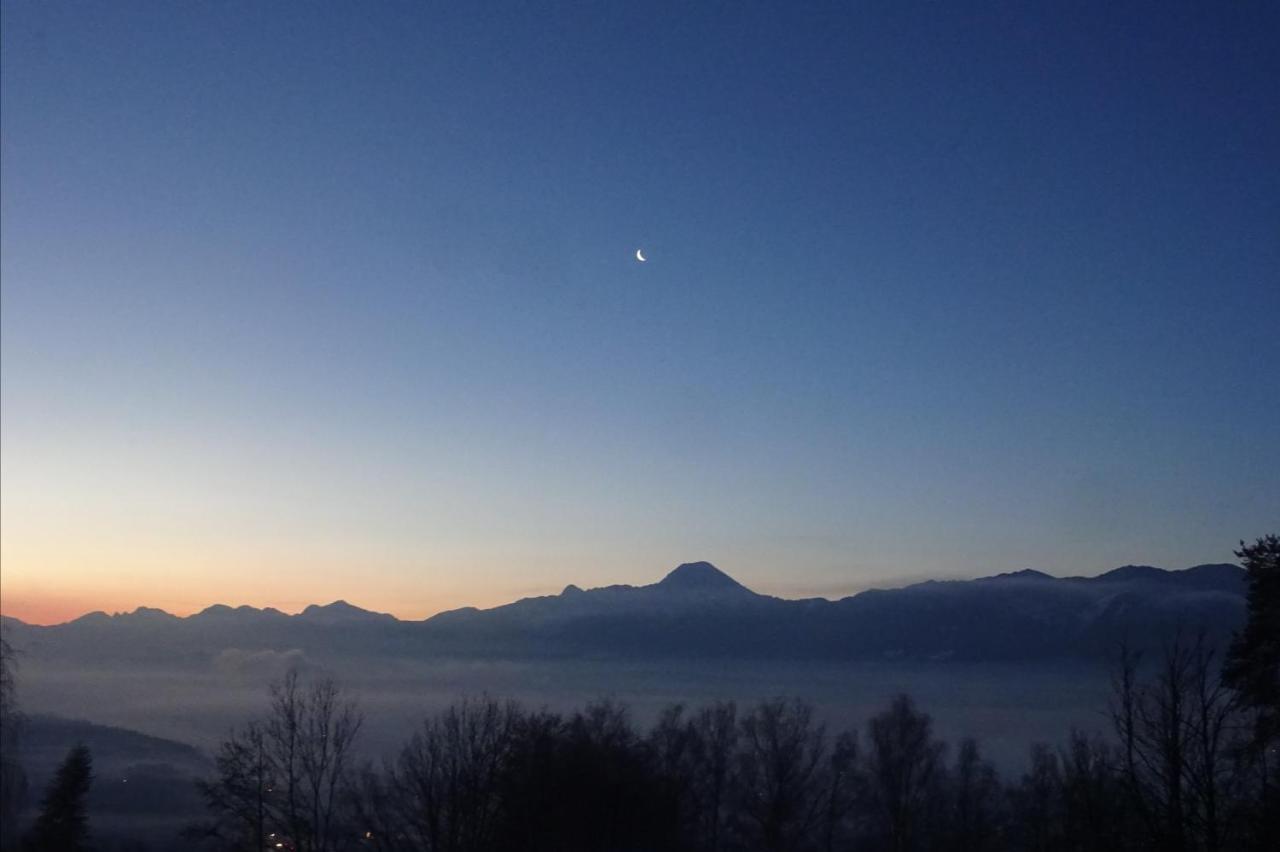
column 62, row 825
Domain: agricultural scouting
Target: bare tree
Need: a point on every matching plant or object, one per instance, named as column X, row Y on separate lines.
column 844, row 785
column 239, row 794
column 676, row 748
column 1151, row 721
column 781, row 773
column 446, row 785
column 717, row 743
column 904, row 763
column 696, row 754
column 974, row 802
column 1214, row 727
column 1093, row 809
column 284, row 779
column 1178, row 733
column 1037, row 804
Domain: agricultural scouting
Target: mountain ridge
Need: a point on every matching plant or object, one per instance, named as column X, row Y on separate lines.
column 694, row 612
column 690, row 577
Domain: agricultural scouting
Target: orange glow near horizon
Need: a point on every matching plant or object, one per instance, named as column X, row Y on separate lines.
column 42, row 610
column 40, row 605
column 40, row 599
column 47, row 610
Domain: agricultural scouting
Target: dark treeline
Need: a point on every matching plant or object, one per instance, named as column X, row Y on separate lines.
column 1178, row 774
column 1190, row 765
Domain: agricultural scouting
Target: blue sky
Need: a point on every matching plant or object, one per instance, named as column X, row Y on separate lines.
column 303, row 302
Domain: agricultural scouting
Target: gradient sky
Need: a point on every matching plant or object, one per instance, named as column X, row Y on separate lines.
column 309, row 301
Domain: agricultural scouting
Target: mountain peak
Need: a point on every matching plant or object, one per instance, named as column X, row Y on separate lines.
column 219, row 610
column 700, row 577
column 340, row 611
column 1024, row 574
column 243, row 614
column 1134, row 573
column 152, row 614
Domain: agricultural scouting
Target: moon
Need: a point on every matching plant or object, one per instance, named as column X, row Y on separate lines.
column 640, row 255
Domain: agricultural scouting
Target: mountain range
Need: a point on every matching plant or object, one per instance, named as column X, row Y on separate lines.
column 698, row 611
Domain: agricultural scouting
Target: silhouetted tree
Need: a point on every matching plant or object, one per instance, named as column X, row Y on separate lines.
column 1093, row 811
column 1212, row 769
column 445, row 790
column 904, row 762
column 715, row 730
column 781, row 777
column 1176, row 734
column 243, row 790
column 62, row 825
column 13, row 781
column 1037, row 819
column 533, row 808
column 845, row 787
column 676, row 747
column 974, row 804
column 485, row 775
column 1252, row 669
column 287, row 777
column 583, row 784
column 1253, row 662
column 1151, row 721
column 695, row 756
column 310, row 734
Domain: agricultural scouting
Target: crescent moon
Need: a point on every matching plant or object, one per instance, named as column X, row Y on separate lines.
column 640, row 255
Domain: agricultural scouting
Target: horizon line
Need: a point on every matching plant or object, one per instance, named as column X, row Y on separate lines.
column 1019, row 573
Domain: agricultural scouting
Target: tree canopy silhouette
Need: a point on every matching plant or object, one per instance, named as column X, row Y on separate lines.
column 286, row 777
column 1253, row 670
column 1253, row 663
column 1180, row 772
column 62, row 825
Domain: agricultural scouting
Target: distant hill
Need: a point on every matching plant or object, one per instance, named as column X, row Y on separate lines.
column 696, row 611
column 46, row 739
column 139, row 780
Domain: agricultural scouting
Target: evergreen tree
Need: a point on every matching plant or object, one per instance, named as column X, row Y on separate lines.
column 1252, row 670
column 62, row 825
column 1253, row 664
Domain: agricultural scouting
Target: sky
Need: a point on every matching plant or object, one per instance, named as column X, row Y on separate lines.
column 312, row 301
